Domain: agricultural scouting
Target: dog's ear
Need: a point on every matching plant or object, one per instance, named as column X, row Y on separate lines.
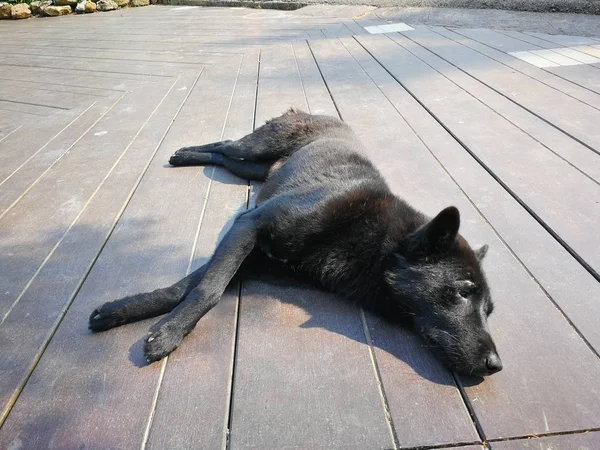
column 437, row 235
column 481, row 252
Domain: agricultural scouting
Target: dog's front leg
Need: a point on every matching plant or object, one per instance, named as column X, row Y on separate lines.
column 166, row 335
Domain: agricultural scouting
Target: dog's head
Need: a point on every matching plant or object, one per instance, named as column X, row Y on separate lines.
column 437, row 278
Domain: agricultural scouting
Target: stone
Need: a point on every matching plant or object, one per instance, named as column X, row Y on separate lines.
column 106, row 5
column 20, row 11
column 56, row 10
column 139, row 2
column 90, row 7
column 35, row 8
column 65, row 2
column 5, row 10
column 121, row 3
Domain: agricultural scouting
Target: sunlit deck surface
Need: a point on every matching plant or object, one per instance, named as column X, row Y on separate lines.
column 505, row 125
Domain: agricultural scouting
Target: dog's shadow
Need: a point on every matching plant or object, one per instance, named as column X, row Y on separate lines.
column 396, row 346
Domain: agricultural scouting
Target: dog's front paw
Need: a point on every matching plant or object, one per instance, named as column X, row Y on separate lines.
column 104, row 318
column 161, row 342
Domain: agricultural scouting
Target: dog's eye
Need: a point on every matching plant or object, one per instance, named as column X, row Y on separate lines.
column 464, row 288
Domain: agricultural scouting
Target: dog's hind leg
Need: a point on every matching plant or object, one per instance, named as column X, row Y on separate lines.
column 166, row 335
column 143, row 306
column 249, row 170
column 276, row 139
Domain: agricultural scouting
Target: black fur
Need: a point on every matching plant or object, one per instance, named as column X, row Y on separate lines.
column 326, row 212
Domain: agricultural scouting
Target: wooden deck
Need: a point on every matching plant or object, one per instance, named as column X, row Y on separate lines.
column 92, row 106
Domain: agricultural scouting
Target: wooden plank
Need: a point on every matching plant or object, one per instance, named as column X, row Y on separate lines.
column 16, row 180
column 418, row 389
column 524, row 37
column 91, row 395
column 583, row 75
column 566, row 113
column 33, row 319
column 317, row 97
column 67, row 77
column 581, row 441
column 474, row 40
column 302, row 360
column 51, row 99
column 196, row 388
column 39, row 220
column 92, row 67
column 547, row 260
column 506, row 150
column 554, row 140
column 537, row 391
column 562, row 39
column 20, row 146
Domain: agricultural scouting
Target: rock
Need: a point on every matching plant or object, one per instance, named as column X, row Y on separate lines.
column 90, row 7
column 35, row 8
column 65, row 2
column 56, row 10
column 5, row 9
column 121, row 3
column 139, row 2
column 106, row 5
column 20, row 11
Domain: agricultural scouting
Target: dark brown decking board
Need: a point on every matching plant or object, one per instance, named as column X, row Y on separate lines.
column 14, row 184
column 537, row 43
column 298, row 346
column 196, row 388
column 401, row 358
column 318, row 99
column 564, row 112
column 65, row 77
column 500, row 146
column 580, row 441
column 33, row 319
column 569, row 284
column 512, row 401
column 48, row 99
column 100, row 55
column 563, row 40
column 550, row 137
column 187, row 407
column 39, row 220
column 82, row 385
column 92, row 67
column 477, row 41
column 584, row 75
column 33, row 88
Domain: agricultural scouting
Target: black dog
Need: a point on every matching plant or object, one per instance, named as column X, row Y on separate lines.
column 326, row 212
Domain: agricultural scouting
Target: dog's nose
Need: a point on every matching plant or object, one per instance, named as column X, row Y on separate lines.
column 493, row 363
